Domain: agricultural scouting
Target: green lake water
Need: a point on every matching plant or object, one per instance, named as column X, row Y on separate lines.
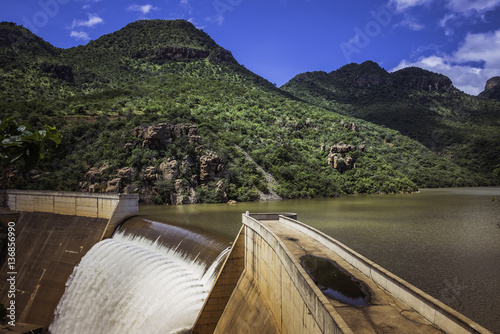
column 444, row 241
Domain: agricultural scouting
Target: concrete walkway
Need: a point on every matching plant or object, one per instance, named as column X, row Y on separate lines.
column 386, row 314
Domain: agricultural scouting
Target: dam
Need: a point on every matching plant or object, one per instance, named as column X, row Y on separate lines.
column 137, row 275
column 264, row 288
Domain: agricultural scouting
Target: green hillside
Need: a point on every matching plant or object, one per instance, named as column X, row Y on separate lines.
column 158, row 108
column 420, row 104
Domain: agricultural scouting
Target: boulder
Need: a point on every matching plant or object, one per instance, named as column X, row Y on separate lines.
column 211, row 167
column 339, row 160
column 126, row 174
column 155, row 137
column 220, row 189
column 342, row 148
column 91, row 175
column 113, row 186
column 170, row 169
column 150, row 174
column 184, row 193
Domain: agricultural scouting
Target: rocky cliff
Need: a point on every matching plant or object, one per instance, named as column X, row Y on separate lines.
column 167, row 179
column 492, row 89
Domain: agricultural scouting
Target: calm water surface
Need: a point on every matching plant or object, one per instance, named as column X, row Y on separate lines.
column 444, row 241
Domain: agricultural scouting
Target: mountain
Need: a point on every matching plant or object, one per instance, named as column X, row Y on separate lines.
column 492, row 89
column 420, row 104
column 158, row 108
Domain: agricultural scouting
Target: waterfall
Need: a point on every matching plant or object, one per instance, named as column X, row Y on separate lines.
column 131, row 284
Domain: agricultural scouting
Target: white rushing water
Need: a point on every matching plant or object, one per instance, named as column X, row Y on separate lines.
column 133, row 285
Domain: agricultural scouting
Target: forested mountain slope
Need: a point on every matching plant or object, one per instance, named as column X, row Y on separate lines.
column 420, row 104
column 158, row 108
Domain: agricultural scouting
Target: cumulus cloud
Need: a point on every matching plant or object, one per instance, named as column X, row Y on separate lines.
column 92, row 21
column 144, row 9
column 469, row 67
column 472, row 6
column 80, row 35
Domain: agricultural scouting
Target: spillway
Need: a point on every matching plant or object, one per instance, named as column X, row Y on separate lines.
column 148, row 278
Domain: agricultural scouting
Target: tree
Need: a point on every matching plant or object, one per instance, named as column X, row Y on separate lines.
column 20, row 141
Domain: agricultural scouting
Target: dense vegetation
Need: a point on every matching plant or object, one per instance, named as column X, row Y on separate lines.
column 420, row 104
column 154, row 72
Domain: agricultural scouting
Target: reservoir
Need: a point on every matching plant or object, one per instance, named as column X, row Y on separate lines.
column 444, row 241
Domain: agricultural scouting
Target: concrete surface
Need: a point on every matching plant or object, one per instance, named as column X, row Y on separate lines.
column 274, row 294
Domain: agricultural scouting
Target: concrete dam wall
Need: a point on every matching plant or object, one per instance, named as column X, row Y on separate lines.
column 53, row 231
column 264, row 288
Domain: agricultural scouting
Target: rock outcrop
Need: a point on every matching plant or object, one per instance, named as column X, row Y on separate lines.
column 492, row 89
column 168, row 178
column 211, row 167
column 184, row 193
column 149, row 174
column 159, row 136
column 417, row 78
column 156, row 137
column 170, row 169
column 492, row 83
column 114, row 185
column 338, row 158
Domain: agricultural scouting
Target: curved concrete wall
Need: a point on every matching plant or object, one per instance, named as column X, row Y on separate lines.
column 273, row 293
column 263, row 288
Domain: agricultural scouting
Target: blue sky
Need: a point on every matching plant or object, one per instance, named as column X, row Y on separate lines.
column 279, row 39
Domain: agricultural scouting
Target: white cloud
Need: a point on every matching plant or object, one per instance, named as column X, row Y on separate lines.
column 186, row 6
column 402, row 5
column 144, row 9
column 472, row 6
column 80, row 35
column 444, row 23
column 411, row 23
column 457, row 6
column 470, row 66
column 480, row 47
column 92, row 21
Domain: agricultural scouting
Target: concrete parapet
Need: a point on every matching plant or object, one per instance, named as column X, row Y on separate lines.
column 296, row 303
column 272, row 216
column 429, row 307
column 114, row 207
